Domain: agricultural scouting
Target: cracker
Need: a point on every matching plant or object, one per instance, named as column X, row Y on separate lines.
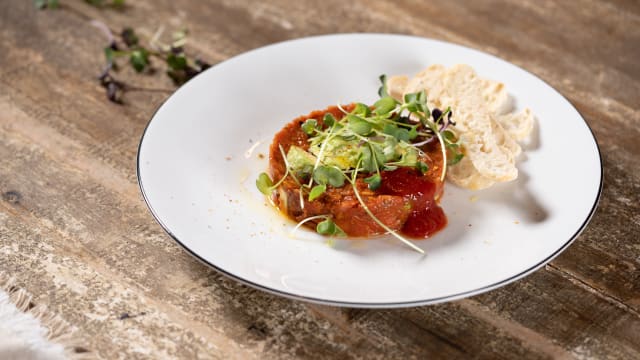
column 518, row 125
column 488, row 128
column 497, row 97
column 474, row 120
column 465, row 175
column 396, row 86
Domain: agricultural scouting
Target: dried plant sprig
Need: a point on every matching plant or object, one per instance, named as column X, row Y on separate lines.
column 127, row 45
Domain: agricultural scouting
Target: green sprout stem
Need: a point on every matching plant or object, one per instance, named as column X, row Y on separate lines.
column 444, row 156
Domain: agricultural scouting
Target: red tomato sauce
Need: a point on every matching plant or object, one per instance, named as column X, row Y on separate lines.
column 405, row 202
column 426, row 217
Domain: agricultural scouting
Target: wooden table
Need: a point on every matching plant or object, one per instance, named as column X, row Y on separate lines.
column 75, row 232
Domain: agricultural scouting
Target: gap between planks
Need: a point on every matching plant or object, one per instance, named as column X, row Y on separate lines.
column 593, row 290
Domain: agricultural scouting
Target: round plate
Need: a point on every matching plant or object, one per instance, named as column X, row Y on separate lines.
column 205, row 146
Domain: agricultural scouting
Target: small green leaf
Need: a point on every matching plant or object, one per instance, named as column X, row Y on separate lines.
column 309, row 126
column 264, row 184
column 416, row 102
column 316, row 191
column 422, row 102
column 118, row 3
column 328, row 175
column 329, row 119
column 374, row 181
column 372, row 158
column 328, row 227
column 385, row 105
column 389, row 129
column 176, row 62
column 336, row 178
column 413, row 133
column 139, row 59
column 422, row 97
column 422, row 166
column 454, row 157
column 382, row 91
column 378, row 153
column 410, row 98
column 449, row 136
column 402, row 134
column 361, row 110
column 109, row 54
column 359, row 125
column 368, row 160
column 129, row 37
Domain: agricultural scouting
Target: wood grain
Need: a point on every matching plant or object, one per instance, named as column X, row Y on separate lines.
column 75, row 232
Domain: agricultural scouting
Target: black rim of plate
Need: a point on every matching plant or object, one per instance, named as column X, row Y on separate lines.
column 430, row 301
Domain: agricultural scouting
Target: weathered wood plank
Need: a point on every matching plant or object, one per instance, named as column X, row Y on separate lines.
column 140, row 265
column 477, row 34
column 159, row 275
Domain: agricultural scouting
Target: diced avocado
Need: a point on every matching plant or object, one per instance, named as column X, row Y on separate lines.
column 408, row 155
column 300, row 161
column 338, row 152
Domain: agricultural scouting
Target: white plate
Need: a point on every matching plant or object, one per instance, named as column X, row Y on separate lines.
column 199, row 158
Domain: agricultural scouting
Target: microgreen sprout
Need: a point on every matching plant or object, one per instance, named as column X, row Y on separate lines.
column 316, row 191
column 266, row 185
column 374, row 181
column 325, row 227
column 383, row 91
column 328, row 227
column 310, row 126
column 366, row 141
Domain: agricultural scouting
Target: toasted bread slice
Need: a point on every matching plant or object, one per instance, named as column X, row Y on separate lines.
column 488, row 128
